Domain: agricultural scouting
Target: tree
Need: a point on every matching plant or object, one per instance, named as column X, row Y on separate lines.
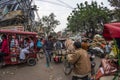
column 116, row 4
column 38, row 26
column 50, row 23
column 88, row 17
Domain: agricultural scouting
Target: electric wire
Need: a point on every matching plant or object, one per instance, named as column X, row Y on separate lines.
column 65, row 4
column 56, row 4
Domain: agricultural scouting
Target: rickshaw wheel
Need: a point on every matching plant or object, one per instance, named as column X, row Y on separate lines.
column 31, row 61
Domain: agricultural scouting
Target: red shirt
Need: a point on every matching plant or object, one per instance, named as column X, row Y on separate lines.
column 4, row 47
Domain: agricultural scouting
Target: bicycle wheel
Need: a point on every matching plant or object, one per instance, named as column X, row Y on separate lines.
column 67, row 68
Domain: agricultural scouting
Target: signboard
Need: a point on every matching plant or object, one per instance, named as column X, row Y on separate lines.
column 16, row 28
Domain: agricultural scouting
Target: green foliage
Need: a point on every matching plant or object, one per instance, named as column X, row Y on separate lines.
column 116, row 4
column 50, row 22
column 88, row 17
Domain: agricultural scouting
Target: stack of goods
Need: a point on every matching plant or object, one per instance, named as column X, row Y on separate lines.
column 98, row 41
column 58, row 58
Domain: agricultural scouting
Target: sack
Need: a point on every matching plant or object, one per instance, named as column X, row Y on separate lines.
column 39, row 44
column 99, row 73
column 109, row 66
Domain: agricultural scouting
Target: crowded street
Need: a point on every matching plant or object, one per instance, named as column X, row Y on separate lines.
column 59, row 39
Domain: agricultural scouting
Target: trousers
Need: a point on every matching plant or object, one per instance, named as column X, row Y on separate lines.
column 48, row 54
column 23, row 52
column 2, row 54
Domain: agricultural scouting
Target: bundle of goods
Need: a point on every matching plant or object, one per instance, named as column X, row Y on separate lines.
column 98, row 41
column 58, row 58
column 108, row 67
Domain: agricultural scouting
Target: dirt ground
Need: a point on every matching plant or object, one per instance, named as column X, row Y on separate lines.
column 37, row 72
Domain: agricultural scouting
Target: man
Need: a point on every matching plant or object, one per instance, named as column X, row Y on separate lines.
column 85, row 44
column 81, row 61
column 48, row 46
column 58, row 46
column 4, row 50
column 26, row 50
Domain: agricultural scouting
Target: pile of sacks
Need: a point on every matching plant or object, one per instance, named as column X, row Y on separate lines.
column 98, row 41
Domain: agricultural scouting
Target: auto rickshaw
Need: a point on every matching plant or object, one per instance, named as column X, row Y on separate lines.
column 14, row 52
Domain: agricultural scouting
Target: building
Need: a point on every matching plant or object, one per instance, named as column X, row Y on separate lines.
column 17, row 13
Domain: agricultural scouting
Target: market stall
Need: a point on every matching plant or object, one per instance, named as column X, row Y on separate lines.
column 111, row 66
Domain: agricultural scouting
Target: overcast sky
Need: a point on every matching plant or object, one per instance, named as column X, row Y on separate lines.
column 55, row 6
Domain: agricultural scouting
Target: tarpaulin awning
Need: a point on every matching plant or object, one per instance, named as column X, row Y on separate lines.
column 111, row 30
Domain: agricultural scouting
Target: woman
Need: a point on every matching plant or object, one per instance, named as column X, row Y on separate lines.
column 81, row 61
column 4, row 50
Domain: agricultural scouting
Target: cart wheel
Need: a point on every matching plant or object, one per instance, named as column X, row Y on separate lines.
column 31, row 61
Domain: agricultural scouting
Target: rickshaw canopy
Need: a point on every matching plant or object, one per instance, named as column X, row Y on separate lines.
column 18, row 32
column 111, row 30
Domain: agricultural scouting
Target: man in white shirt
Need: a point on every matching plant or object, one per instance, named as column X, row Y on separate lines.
column 26, row 49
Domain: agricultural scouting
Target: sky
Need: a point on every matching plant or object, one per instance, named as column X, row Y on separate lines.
column 45, row 7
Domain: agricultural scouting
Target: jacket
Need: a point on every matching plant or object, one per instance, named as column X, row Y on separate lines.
column 83, row 65
column 48, row 45
column 4, row 47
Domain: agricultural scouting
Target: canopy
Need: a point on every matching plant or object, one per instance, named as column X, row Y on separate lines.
column 111, row 30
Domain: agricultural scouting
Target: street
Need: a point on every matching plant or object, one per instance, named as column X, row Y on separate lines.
column 37, row 72
column 27, row 26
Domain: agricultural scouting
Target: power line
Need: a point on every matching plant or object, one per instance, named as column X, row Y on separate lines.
column 65, row 4
column 55, row 3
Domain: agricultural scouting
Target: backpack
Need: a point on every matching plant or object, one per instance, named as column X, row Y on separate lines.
column 39, row 44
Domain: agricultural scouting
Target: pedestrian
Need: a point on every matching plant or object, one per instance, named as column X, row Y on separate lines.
column 85, row 44
column 58, row 47
column 48, row 46
column 81, row 61
column 39, row 44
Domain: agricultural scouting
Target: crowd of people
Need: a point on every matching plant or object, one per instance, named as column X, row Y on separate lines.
column 77, row 51
column 78, row 55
